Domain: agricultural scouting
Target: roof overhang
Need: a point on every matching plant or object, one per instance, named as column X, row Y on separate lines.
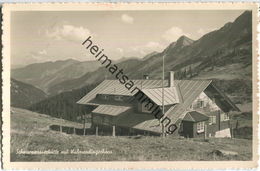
column 226, row 101
column 111, row 110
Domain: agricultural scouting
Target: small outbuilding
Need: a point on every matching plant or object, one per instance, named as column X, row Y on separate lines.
column 194, row 124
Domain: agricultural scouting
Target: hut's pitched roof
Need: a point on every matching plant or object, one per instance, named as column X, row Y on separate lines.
column 194, row 116
column 114, row 87
column 190, row 90
column 185, row 92
column 170, row 95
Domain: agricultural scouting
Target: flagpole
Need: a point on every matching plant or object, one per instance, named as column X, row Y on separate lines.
column 163, row 96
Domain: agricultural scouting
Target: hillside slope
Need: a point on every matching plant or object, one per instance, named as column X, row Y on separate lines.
column 44, row 75
column 93, row 77
column 231, row 44
column 24, row 95
column 64, row 104
column 73, row 71
column 30, row 132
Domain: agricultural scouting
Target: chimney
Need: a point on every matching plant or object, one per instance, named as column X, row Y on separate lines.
column 171, row 79
column 146, row 77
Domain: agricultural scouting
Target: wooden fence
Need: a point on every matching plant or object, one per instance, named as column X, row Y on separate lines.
column 72, row 130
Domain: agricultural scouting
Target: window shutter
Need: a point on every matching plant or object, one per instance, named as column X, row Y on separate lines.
column 214, row 119
column 221, row 117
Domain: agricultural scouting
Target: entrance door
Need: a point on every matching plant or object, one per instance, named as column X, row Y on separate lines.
column 188, row 129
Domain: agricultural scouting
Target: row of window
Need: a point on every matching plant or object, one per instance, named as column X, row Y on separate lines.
column 146, row 108
column 223, row 117
column 117, row 98
column 198, row 104
column 212, row 120
column 200, row 127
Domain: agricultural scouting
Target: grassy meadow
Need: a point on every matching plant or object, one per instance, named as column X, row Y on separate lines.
column 30, row 131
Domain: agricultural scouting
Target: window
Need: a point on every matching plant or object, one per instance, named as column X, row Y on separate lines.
column 200, row 127
column 104, row 97
column 212, row 120
column 118, row 98
column 200, row 103
column 224, row 117
column 221, row 117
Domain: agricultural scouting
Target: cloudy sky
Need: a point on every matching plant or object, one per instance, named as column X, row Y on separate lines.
column 51, row 36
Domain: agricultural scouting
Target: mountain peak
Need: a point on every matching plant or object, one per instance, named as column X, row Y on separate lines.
column 183, row 37
column 184, row 41
column 244, row 19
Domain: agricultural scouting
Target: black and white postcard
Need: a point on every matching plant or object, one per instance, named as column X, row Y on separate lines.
column 129, row 85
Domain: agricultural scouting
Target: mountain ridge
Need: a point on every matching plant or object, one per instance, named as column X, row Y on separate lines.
column 24, row 95
column 43, row 75
column 223, row 55
column 202, row 56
